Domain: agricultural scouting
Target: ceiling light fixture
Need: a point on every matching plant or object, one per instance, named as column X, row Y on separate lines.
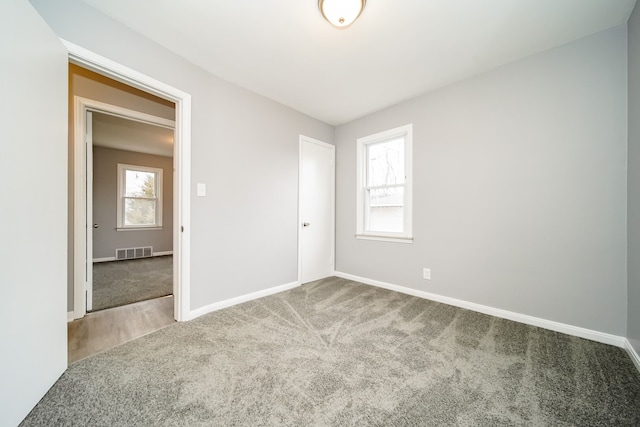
column 341, row 13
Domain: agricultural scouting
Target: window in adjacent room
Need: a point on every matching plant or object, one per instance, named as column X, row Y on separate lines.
column 384, row 186
column 139, row 197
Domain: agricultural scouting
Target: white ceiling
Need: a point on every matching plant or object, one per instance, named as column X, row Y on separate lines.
column 130, row 135
column 396, row 50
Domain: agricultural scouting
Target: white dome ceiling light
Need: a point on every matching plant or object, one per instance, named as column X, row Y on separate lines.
column 341, row 13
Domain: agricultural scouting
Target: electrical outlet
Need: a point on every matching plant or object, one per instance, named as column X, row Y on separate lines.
column 426, row 273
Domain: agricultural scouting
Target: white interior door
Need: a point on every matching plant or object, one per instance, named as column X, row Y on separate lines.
column 316, row 211
column 33, row 217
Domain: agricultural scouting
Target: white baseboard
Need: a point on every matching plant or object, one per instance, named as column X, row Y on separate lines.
column 112, row 258
column 510, row 315
column 239, row 300
column 633, row 354
column 70, row 317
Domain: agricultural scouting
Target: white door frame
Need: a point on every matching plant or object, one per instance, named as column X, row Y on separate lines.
column 85, row 130
column 182, row 182
column 308, row 140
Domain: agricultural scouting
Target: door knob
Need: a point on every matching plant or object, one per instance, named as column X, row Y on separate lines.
column 305, row 224
column 95, row 225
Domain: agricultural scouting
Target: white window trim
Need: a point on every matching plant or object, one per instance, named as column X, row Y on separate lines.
column 406, row 236
column 121, row 191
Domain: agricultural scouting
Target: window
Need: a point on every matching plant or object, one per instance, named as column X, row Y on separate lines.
column 139, row 197
column 384, row 186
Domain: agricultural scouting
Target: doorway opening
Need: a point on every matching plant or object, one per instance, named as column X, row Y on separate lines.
column 131, row 209
column 126, row 159
column 82, row 224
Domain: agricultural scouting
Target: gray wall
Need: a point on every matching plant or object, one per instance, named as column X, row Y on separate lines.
column 105, row 195
column 633, row 213
column 33, row 216
column 244, row 147
column 519, row 188
column 520, row 196
column 87, row 84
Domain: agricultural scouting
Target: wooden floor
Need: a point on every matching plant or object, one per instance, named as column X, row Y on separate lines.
column 109, row 328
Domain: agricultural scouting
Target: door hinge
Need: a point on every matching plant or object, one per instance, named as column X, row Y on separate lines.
column 182, row 228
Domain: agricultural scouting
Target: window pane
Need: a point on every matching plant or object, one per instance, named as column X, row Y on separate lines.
column 139, row 212
column 140, row 184
column 386, row 210
column 385, row 163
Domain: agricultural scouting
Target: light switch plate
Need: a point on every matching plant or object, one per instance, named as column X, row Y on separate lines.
column 202, row 190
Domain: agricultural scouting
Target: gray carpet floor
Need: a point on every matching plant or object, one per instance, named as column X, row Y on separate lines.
column 119, row 283
column 340, row 353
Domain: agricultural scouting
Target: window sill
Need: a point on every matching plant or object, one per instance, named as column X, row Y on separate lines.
column 138, row 228
column 385, row 238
